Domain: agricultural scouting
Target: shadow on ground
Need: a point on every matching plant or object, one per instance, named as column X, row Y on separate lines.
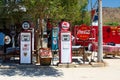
column 32, row 71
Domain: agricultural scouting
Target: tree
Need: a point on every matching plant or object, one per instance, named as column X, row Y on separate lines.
column 40, row 9
column 71, row 10
column 11, row 12
column 57, row 9
column 76, row 11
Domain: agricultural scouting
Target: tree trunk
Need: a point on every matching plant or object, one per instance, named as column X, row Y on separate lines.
column 41, row 32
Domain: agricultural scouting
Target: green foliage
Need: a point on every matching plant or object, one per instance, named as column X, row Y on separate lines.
column 11, row 11
column 112, row 23
column 70, row 10
column 1, row 2
column 73, row 11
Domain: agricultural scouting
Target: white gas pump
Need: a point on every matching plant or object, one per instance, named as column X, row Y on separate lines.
column 26, row 45
column 65, row 44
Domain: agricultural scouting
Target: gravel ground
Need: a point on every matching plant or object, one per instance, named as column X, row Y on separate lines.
column 109, row 72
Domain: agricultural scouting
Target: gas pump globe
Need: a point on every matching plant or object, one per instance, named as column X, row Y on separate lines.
column 65, row 26
column 26, row 25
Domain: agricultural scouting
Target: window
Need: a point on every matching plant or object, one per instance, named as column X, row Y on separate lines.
column 65, row 37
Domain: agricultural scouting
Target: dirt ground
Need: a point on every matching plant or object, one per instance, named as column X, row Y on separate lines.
column 109, row 72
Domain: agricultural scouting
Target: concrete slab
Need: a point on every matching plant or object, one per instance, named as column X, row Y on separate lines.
column 98, row 64
column 73, row 65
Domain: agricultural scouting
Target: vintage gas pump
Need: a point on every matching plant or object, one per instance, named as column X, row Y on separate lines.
column 65, row 44
column 26, row 44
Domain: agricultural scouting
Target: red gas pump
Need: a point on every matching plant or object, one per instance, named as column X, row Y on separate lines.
column 65, row 44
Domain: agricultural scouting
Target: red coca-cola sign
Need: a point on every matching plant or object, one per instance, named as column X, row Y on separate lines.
column 83, row 32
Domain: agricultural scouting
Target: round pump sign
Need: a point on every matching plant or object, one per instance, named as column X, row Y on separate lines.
column 83, row 32
column 25, row 25
column 65, row 25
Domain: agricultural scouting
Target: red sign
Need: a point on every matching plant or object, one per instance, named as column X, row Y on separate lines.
column 45, row 53
column 84, row 32
column 65, row 25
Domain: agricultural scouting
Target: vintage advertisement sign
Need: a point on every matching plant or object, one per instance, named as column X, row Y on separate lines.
column 83, row 32
column 55, row 32
column 2, row 35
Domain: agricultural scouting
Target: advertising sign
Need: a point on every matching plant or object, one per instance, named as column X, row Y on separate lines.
column 55, row 32
column 65, row 25
column 2, row 35
column 25, row 47
column 25, row 25
column 7, row 39
column 84, row 32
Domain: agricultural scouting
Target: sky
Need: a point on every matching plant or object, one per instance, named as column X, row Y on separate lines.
column 110, row 3
column 107, row 3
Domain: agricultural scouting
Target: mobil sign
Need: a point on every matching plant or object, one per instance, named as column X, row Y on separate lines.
column 83, row 32
column 65, row 25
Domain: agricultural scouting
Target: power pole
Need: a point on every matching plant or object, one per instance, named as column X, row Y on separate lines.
column 100, row 32
column 91, row 11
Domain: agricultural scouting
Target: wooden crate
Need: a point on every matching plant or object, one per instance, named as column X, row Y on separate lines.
column 45, row 61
